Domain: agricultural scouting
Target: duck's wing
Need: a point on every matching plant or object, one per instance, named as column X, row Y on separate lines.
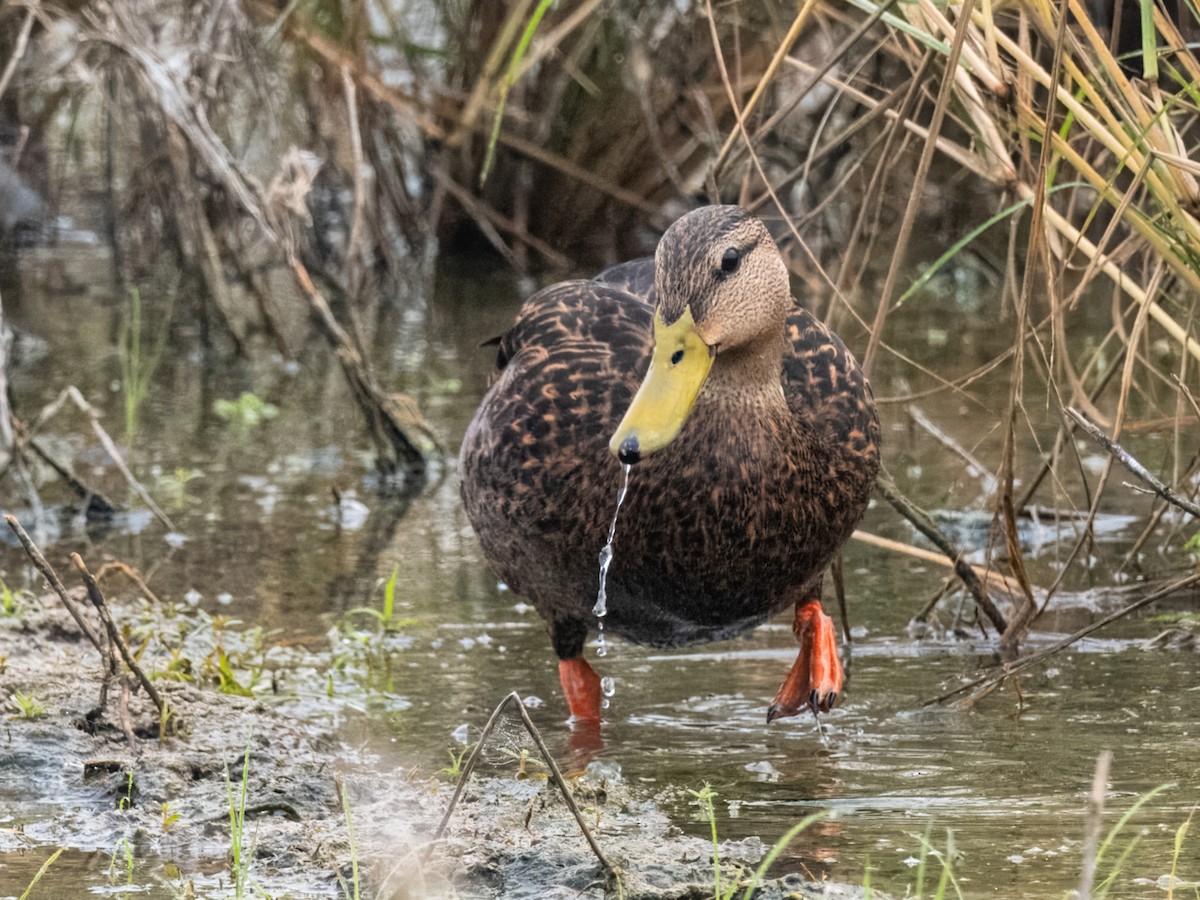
column 635, row 277
column 537, row 477
column 826, row 388
column 599, row 325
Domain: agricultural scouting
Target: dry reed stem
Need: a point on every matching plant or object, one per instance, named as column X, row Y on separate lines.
column 838, row 55
column 47, row 570
column 551, row 765
column 945, row 89
column 114, row 634
column 1094, row 824
column 739, row 129
column 1037, row 261
column 754, row 157
column 1118, row 276
column 991, row 576
column 1107, row 126
column 7, row 441
column 960, row 156
column 18, row 50
column 356, row 252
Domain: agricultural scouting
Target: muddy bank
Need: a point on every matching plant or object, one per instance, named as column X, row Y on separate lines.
column 153, row 817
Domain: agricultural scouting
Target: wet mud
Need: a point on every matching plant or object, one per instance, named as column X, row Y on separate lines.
column 73, row 779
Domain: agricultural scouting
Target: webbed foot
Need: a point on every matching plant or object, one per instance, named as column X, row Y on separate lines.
column 815, row 680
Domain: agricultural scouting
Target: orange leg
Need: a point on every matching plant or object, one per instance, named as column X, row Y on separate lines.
column 816, row 676
column 581, row 687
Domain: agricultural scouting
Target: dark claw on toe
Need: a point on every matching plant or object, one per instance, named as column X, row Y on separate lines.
column 819, row 704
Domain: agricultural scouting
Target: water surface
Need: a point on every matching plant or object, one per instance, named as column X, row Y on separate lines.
column 267, row 544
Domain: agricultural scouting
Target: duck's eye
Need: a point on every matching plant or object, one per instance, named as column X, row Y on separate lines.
column 676, row 357
column 730, row 260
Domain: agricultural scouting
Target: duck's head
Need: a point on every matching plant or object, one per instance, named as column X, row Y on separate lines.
column 721, row 286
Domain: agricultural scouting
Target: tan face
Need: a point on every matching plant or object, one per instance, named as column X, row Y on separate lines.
column 721, row 285
column 722, row 264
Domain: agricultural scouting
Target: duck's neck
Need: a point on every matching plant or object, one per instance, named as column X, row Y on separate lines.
column 748, row 376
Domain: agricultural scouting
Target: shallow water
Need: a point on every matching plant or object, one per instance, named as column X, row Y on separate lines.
column 266, row 544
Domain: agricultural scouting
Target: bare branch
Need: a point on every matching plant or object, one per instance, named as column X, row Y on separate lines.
column 51, row 576
column 1129, row 462
column 547, row 756
column 114, row 634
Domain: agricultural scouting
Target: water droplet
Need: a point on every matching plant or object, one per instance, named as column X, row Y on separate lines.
column 608, row 686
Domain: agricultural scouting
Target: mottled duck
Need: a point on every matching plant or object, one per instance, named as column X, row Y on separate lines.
column 753, row 438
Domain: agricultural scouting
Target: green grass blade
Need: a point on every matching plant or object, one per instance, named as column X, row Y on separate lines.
column 42, row 871
column 970, row 236
column 389, row 595
column 506, row 83
column 1124, row 820
column 779, row 846
column 1180, row 834
column 901, row 24
column 1149, row 42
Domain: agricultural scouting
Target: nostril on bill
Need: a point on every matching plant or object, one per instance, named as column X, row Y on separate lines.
column 629, row 452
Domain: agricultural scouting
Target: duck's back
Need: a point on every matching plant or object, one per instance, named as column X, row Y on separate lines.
column 537, row 475
column 825, row 387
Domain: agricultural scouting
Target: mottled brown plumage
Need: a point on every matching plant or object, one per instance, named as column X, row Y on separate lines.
column 734, row 520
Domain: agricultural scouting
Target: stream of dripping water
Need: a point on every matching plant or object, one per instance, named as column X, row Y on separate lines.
column 606, row 555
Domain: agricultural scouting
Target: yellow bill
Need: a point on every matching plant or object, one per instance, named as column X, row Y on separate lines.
column 678, row 369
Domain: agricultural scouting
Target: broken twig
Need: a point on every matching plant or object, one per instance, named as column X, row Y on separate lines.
column 1095, row 820
column 962, row 568
column 52, row 577
column 385, row 429
column 555, row 775
column 1129, row 462
column 114, row 454
column 114, row 634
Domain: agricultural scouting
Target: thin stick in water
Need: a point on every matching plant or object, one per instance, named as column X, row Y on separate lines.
column 55, row 584
column 1091, row 832
column 114, row 633
column 555, row 775
column 989, row 682
column 1129, row 462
